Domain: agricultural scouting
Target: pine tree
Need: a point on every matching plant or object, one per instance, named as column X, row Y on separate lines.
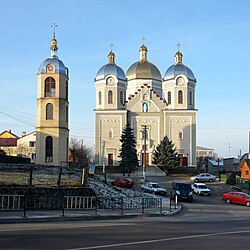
column 128, row 152
column 165, row 155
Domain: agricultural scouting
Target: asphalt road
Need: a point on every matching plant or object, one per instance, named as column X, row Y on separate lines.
column 207, row 223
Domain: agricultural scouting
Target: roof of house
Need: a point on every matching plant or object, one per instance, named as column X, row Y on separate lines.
column 203, row 148
column 8, row 134
column 8, row 142
column 215, row 163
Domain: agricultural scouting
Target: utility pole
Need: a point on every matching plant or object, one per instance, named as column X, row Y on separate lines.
column 144, row 132
column 229, row 147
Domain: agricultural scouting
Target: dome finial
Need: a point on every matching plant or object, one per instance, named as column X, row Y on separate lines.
column 143, row 51
column 111, row 55
column 53, row 47
column 178, row 55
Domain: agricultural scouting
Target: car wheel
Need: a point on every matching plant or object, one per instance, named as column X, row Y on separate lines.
column 248, row 203
column 196, row 180
column 211, row 180
column 228, row 201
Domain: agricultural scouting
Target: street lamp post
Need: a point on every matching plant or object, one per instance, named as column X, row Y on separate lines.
column 144, row 147
column 218, row 160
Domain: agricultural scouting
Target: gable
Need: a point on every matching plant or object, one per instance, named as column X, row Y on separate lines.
column 8, row 134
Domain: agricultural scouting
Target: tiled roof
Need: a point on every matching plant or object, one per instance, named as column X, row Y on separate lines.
column 8, row 142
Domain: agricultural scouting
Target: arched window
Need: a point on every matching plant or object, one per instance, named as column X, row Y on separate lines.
column 67, row 91
column 100, row 97
column 180, row 97
column 169, row 97
column 50, row 87
column 110, row 97
column 121, row 98
column 49, row 149
column 190, row 98
column 49, row 111
column 110, row 135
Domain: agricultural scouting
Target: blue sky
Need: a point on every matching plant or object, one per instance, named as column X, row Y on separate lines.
column 214, row 37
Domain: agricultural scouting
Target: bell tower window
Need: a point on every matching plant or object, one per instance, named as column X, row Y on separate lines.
column 110, row 97
column 49, row 111
column 100, row 97
column 121, row 98
column 180, row 97
column 190, row 98
column 49, row 149
column 169, row 97
column 50, row 87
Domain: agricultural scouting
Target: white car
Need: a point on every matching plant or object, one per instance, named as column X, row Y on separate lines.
column 154, row 188
column 201, row 189
column 203, row 177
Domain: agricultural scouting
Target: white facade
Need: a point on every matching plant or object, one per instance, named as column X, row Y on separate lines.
column 166, row 106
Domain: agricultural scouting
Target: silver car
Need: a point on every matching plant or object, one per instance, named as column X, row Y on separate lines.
column 154, row 188
column 203, row 177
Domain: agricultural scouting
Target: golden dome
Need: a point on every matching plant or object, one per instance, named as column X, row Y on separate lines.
column 145, row 70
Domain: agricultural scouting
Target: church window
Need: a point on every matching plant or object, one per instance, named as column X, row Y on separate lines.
column 180, row 135
column 121, row 98
column 67, row 94
column 67, row 113
column 49, row 149
column 49, row 111
column 100, row 97
column 110, row 135
column 169, row 97
column 180, row 97
column 145, row 107
column 190, row 98
column 50, row 87
column 110, row 97
column 145, row 97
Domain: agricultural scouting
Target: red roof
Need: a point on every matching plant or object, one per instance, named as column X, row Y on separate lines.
column 8, row 142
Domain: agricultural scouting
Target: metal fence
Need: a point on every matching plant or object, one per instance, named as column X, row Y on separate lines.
column 75, row 204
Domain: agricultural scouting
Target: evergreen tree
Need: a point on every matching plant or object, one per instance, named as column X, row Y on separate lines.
column 128, row 152
column 165, row 155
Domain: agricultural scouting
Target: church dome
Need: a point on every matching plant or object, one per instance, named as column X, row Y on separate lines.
column 179, row 68
column 53, row 59
column 58, row 64
column 143, row 69
column 110, row 69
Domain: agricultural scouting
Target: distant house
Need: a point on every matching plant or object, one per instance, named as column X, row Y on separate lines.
column 204, row 152
column 227, row 164
column 26, row 146
column 8, row 142
column 245, row 167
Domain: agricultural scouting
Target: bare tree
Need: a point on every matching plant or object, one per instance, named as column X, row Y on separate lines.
column 80, row 153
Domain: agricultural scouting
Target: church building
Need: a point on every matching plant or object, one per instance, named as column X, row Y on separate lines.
column 52, row 133
column 155, row 107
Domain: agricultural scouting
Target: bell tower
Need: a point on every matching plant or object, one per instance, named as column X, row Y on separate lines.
column 52, row 133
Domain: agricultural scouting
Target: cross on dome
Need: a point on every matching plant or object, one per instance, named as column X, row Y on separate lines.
column 54, row 26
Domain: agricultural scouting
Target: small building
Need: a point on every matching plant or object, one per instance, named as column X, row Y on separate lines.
column 8, row 142
column 204, row 152
column 245, row 167
column 26, row 146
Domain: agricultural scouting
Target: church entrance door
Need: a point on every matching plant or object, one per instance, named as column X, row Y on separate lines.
column 110, row 159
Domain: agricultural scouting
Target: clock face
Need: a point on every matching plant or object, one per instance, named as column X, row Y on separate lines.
column 180, row 80
column 110, row 80
column 50, row 68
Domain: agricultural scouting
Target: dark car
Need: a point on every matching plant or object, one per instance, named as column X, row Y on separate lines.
column 237, row 198
column 182, row 190
column 122, row 182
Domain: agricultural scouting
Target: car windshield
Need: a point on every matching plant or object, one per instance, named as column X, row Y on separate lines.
column 183, row 186
column 247, row 196
column 202, row 186
column 155, row 185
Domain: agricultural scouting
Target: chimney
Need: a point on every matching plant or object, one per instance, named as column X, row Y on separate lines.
column 23, row 134
column 9, row 130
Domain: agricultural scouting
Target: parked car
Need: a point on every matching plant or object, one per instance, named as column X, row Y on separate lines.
column 122, row 182
column 201, row 189
column 182, row 190
column 237, row 198
column 154, row 188
column 203, row 177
